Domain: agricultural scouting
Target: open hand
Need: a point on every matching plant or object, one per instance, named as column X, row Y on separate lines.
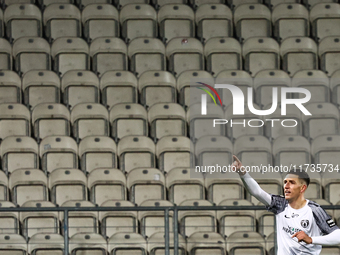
column 302, row 236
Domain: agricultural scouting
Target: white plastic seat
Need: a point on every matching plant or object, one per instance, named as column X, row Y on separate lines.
column 202, row 242
column 156, row 244
column 58, row 152
column 13, row 244
column 10, row 87
column 108, row 54
column 144, row 184
column 50, row 120
column 325, row 20
column 246, row 242
column 174, row 151
column 329, row 52
column 118, row 87
column 27, row 184
column 67, row 184
column 213, row 20
column 260, row 54
column 97, row 151
column 138, row 20
column 62, row 20
column 184, row 54
column 39, row 222
column 88, row 120
column 167, row 119
column 176, row 20
column 331, row 184
column 6, row 58
column 70, row 53
column 325, row 149
column 298, row 53
column 14, row 120
column 4, row 192
column 42, row 242
column 252, row 20
column 113, row 222
column 40, row 87
column 88, row 243
column 19, row 152
column 157, row 87
column 290, row 19
column 106, row 184
column 136, row 151
column 128, row 119
column 9, row 221
column 123, row 243
column 222, row 54
column 314, row 125
column 22, row 20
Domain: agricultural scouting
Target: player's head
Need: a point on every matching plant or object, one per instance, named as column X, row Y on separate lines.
column 295, row 184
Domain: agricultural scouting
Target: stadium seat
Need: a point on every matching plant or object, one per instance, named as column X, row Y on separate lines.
column 88, row 243
column 325, row 149
column 156, row 244
column 128, row 119
column 40, row 87
column 152, row 222
column 22, row 20
column 108, row 54
column 62, row 20
column 144, row 184
column 245, row 242
column 27, row 184
column 184, row 54
column 167, row 119
column 222, row 54
column 122, row 3
column 260, row 54
column 316, row 82
column 9, row 221
column 67, row 184
column 97, row 152
column 10, row 87
column 330, row 250
column 183, row 184
column 329, row 51
column 291, row 150
column 50, row 120
column 266, row 222
column 19, row 152
column 270, row 244
column 314, row 125
column 298, row 53
column 314, row 190
column 79, row 87
column 118, row 87
column 39, row 222
column 146, row 54
column 13, row 244
column 334, row 86
column 105, row 184
column 44, row 3
column 14, row 120
column 42, row 242
column 70, row 53
column 6, row 3
column 231, row 221
column 124, row 243
column 252, row 20
column 213, row 20
column 89, row 120
column 84, row 3
column 206, row 242
column 6, row 58
column 197, row 221
column 311, row 3
column 324, row 18
column 138, row 20
column 331, row 185
column 187, row 84
column 4, row 192
column 136, row 151
column 290, row 19
column 80, row 222
column 113, row 222
column 174, row 151
column 58, row 152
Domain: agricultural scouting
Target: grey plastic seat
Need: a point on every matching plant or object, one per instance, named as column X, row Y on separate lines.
column 9, row 221
column 156, row 244
column 42, row 242
column 6, row 59
column 329, row 52
column 330, row 183
column 10, row 87
column 160, row 3
column 201, row 242
column 92, row 243
column 121, row 3
column 44, row 3
column 120, row 243
column 13, row 244
column 84, row 3
column 247, row 242
column 334, row 86
column 325, row 149
column 4, row 192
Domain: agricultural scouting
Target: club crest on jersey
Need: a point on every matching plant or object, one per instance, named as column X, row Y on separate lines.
column 305, row 223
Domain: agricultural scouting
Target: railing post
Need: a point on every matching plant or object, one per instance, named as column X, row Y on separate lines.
column 167, row 230
column 66, row 243
column 175, row 227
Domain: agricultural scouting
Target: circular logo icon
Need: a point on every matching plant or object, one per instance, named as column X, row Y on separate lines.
column 305, row 223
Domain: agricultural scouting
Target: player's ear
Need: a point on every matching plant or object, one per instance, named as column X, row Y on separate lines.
column 303, row 188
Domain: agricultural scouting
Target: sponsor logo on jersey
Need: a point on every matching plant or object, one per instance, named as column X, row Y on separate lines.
column 330, row 223
column 293, row 216
column 305, row 223
column 291, row 230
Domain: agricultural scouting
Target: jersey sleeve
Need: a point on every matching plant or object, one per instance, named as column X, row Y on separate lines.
column 278, row 204
column 325, row 222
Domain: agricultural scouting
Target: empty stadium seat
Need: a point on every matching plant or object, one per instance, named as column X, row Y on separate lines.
column 156, row 244
column 105, row 184
column 108, row 54
column 88, row 120
column 40, row 87
column 6, row 59
column 325, row 149
column 42, row 242
column 266, row 222
column 9, row 221
column 213, row 20
column 138, row 20
column 236, row 3
column 123, row 243
column 67, row 184
column 13, row 244
column 202, row 242
column 329, row 51
column 146, row 54
column 314, row 190
column 122, row 3
column 4, row 192
column 90, row 243
column 331, row 185
column 311, row 3
column 10, row 87
column 6, row 3
column 62, row 20
column 334, row 86
column 70, row 53
column 167, row 119
column 19, row 152
column 58, row 152
column 44, row 3
column 244, row 242
column 136, row 151
column 50, row 120
column 84, row 3
column 118, row 87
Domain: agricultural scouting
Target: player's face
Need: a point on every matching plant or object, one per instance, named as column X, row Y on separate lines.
column 292, row 187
